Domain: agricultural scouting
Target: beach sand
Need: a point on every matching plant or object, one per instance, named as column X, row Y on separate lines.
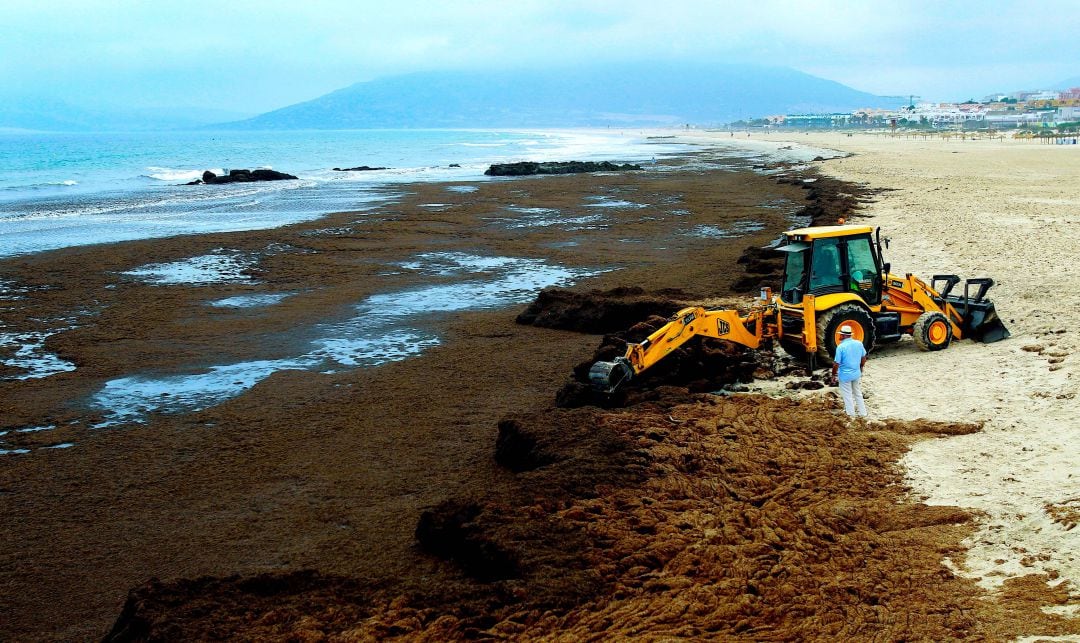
column 686, row 515
column 1006, row 209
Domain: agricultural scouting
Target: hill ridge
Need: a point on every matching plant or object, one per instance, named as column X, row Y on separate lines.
column 594, row 95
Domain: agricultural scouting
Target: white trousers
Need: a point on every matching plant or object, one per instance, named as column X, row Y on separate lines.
column 851, row 393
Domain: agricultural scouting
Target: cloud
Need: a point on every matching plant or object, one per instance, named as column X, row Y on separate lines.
column 249, row 54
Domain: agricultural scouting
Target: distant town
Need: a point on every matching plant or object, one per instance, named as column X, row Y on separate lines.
column 1037, row 112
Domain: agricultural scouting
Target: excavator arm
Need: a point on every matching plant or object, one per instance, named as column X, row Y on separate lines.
column 681, row 328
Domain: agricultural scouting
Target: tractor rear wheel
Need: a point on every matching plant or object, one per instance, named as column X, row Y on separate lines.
column 932, row 331
column 828, row 329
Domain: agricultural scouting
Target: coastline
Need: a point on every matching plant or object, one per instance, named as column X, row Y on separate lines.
column 307, row 470
column 46, row 205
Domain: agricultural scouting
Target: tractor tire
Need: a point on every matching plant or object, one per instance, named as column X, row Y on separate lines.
column 932, row 331
column 828, row 330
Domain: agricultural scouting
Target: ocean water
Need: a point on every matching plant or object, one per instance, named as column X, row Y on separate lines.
column 60, row 189
column 68, row 189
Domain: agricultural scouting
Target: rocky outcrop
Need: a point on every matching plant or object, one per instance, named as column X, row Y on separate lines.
column 569, row 167
column 359, row 168
column 242, row 176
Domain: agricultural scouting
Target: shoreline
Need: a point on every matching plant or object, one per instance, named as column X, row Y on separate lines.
column 117, row 210
column 327, row 449
column 145, row 195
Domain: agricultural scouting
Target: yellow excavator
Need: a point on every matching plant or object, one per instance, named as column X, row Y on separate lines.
column 833, row 275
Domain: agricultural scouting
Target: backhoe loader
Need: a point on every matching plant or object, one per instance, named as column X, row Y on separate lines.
column 833, row 275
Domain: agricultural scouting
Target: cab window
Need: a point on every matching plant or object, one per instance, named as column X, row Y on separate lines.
column 825, row 266
column 863, row 268
column 794, row 271
column 861, row 262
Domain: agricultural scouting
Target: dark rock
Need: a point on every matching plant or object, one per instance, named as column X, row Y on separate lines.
column 455, row 165
column 359, row 168
column 569, row 167
column 270, row 175
column 243, row 176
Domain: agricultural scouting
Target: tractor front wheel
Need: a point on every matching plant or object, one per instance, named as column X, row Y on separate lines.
column 932, row 331
column 828, row 329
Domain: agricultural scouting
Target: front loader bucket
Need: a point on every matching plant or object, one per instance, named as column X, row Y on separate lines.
column 980, row 319
column 985, row 325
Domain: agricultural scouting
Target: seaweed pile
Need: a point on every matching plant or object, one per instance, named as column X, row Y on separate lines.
column 688, row 515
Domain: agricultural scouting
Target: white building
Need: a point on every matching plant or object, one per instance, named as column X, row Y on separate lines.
column 1068, row 114
column 1042, row 94
column 1019, row 119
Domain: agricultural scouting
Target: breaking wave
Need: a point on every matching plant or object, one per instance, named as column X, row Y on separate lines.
column 171, row 174
column 42, row 186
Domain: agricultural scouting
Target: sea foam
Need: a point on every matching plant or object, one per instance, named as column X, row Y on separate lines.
column 171, row 174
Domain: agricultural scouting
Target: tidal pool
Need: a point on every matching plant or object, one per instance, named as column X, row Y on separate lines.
column 30, row 357
column 219, row 267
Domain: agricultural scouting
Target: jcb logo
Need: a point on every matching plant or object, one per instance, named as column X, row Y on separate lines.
column 722, row 327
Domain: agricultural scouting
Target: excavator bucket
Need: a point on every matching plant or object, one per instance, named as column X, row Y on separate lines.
column 607, row 376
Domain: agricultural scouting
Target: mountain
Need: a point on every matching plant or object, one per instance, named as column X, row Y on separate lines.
column 1068, row 84
column 48, row 113
column 617, row 95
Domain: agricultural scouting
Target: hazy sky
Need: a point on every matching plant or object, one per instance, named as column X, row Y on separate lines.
column 256, row 55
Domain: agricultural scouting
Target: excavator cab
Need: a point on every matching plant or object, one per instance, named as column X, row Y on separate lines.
column 847, row 261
